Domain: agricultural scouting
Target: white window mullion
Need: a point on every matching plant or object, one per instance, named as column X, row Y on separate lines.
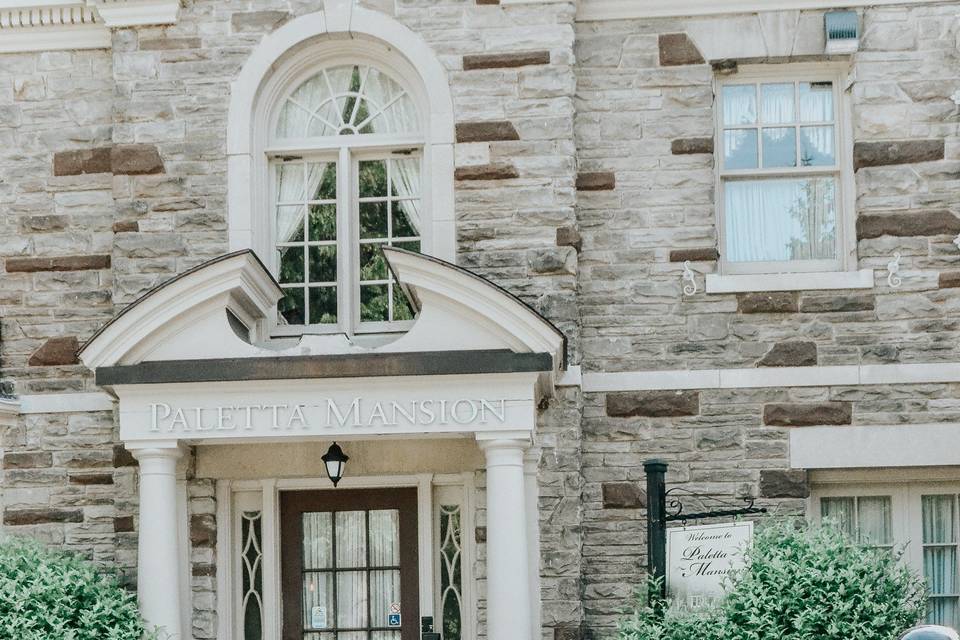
column 347, row 262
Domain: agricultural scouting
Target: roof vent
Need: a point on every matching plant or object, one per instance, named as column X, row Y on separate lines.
column 843, row 32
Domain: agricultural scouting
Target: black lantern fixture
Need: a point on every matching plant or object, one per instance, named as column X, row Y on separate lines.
column 335, row 460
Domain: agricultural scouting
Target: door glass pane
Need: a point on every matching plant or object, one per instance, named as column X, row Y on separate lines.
column 780, row 219
column 875, row 520
column 385, row 635
column 317, row 540
column 840, row 510
column 451, row 600
column 777, row 103
column 384, row 595
column 351, row 539
column 318, row 600
column 385, row 538
column 351, row 599
column 739, row 104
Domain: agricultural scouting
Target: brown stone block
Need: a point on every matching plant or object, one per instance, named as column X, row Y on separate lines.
column 486, row 172
column 653, row 404
column 790, row 354
column 678, row 49
column 908, row 224
column 122, row 457
column 837, row 303
column 569, row 237
column 505, row 60
column 44, row 223
column 768, row 302
column 204, row 570
column 74, row 163
column 807, row 414
column 203, row 530
column 169, row 44
column 949, row 279
column 567, row 633
column 698, row 254
column 91, row 478
column 784, row 484
column 691, row 146
column 596, row 181
column 126, row 226
column 488, row 2
column 62, row 263
column 123, row 524
column 623, row 495
column 135, row 160
column 27, row 460
column 480, row 535
column 498, row 131
column 55, row 352
column 21, row 517
column 879, row 154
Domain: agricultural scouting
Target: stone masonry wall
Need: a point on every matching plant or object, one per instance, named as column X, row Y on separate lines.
column 645, row 121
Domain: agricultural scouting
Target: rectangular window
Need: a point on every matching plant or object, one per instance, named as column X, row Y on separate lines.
column 781, row 172
column 920, row 518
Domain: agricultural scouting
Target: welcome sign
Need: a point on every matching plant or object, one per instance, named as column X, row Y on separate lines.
column 699, row 558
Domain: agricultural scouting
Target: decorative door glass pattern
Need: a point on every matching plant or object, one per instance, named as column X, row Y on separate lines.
column 252, row 575
column 451, row 585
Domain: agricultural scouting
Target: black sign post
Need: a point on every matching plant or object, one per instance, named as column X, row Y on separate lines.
column 657, row 519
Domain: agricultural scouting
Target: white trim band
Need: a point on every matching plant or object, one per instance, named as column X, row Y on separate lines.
column 852, row 374
column 862, row 279
column 626, row 9
column 908, row 445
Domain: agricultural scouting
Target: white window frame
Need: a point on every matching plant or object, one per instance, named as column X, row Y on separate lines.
column 906, row 507
column 345, row 151
column 773, row 276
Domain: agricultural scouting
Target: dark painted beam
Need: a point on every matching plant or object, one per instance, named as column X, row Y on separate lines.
column 423, row 363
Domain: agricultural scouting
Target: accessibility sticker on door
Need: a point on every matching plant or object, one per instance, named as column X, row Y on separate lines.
column 393, row 620
column 318, row 618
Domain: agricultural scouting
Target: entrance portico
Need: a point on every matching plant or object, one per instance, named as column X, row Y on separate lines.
column 192, row 365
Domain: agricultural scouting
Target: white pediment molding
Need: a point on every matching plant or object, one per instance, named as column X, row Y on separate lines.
column 187, row 317
column 49, row 25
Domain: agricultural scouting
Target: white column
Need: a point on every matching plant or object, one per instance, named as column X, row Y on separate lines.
column 158, row 574
column 508, row 583
column 531, row 464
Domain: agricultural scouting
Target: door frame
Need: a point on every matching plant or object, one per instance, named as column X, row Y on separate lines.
column 294, row 503
column 229, row 624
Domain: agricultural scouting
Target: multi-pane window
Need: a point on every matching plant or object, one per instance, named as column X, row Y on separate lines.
column 922, row 519
column 780, row 174
column 347, row 167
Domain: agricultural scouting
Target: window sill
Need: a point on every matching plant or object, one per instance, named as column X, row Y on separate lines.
column 862, row 279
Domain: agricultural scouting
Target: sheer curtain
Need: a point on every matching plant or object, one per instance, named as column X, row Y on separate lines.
column 296, row 183
column 940, row 557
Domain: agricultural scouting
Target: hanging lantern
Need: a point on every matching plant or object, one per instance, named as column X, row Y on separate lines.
column 335, row 460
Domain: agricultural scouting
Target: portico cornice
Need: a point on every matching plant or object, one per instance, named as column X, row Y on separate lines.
column 48, row 25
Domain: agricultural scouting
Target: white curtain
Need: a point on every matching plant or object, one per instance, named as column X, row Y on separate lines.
column 779, row 219
column 940, row 557
column 777, row 103
column 739, row 104
column 296, row 183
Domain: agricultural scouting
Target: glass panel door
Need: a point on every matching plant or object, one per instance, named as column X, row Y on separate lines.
column 350, row 565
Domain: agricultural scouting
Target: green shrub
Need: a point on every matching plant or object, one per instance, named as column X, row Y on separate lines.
column 54, row 595
column 799, row 584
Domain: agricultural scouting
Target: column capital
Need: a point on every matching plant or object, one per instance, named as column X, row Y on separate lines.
column 531, row 460
column 174, row 452
column 504, row 451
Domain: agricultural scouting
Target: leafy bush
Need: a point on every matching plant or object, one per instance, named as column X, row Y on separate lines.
column 54, row 595
column 799, row 584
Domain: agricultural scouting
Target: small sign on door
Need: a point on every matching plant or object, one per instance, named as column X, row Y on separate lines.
column 393, row 620
column 318, row 618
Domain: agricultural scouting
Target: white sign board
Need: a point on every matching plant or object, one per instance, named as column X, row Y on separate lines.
column 699, row 558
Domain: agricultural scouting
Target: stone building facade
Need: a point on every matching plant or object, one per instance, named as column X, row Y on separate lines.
column 574, row 155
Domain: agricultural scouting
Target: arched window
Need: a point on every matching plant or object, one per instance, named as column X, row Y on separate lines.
column 346, row 163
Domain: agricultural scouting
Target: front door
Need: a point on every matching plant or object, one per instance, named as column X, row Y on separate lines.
column 349, row 564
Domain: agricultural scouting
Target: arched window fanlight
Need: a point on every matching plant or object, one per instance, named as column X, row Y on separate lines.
column 338, row 199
